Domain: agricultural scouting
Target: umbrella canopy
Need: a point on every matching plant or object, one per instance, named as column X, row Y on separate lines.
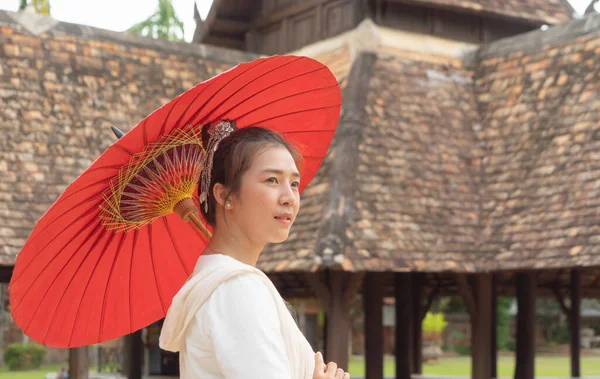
column 109, row 255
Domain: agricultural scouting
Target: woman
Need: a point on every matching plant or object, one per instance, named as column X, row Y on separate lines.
column 229, row 321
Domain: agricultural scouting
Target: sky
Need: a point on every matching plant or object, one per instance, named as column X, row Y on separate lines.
column 119, row 15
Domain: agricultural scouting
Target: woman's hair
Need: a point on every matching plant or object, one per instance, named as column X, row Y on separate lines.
column 234, row 157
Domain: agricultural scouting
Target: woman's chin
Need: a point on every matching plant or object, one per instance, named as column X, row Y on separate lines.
column 279, row 237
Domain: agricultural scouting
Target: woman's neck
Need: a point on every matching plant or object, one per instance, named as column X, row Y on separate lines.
column 234, row 245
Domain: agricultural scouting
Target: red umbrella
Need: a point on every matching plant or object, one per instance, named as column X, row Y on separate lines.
column 109, row 255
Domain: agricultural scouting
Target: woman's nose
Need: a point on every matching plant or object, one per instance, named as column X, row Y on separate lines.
column 287, row 197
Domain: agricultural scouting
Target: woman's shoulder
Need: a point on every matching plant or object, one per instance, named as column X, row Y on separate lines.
column 246, row 294
column 208, row 261
column 244, row 285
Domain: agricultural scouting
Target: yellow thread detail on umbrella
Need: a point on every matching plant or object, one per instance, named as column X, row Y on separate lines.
column 154, row 180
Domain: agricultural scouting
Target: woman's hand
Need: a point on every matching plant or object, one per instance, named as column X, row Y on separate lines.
column 329, row 371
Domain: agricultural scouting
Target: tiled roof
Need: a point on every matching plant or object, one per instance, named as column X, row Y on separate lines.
column 486, row 164
column 541, row 134
column 417, row 183
column 61, row 90
column 298, row 253
column 412, row 201
column 427, row 171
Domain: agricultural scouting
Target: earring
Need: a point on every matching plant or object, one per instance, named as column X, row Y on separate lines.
column 228, row 205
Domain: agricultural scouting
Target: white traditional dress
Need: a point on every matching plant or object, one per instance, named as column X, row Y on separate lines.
column 229, row 321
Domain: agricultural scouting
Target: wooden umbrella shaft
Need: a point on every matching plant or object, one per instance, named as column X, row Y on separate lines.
column 187, row 210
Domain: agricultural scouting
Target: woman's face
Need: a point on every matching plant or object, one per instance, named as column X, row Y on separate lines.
column 268, row 201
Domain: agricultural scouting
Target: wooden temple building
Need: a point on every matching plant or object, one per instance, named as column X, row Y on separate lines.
column 466, row 161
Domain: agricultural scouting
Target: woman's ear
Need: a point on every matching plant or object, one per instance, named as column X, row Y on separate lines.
column 220, row 193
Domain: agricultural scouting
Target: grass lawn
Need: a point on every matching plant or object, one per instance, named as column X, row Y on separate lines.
column 37, row 374
column 461, row 366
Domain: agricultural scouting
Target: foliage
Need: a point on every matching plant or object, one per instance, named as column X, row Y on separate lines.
column 40, row 6
column 455, row 304
column 433, row 326
column 552, row 320
column 511, row 345
column 461, row 345
column 163, row 24
column 20, row 356
column 558, row 333
column 462, row 350
column 503, row 319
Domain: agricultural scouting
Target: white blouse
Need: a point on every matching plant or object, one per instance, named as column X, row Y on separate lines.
column 236, row 333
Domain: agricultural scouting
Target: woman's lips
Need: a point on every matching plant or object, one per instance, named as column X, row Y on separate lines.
column 284, row 218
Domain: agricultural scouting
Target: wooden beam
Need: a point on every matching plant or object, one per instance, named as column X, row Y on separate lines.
column 252, row 39
column 284, row 37
column 319, row 22
column 319, row 287
column 591, row 8
column 455, row 8
column 465, row 292
column 596, row 282
column 373, row 310
column 560, row 299
column 430, row 297
column 78, row 363
column 228, row 26
column 575, row 323
column 286, row 12
column 352, row 285
column 403, row 290
column 203, row 27
column 378, row 12
column 224, row 42
column 526, row 325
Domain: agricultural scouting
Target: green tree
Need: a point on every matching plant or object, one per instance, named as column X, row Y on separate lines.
column 163, row 24
column 503, row 322
column 40, row 6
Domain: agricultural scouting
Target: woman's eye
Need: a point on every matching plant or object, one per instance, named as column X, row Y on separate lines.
column 296, row 184
column 272, row 180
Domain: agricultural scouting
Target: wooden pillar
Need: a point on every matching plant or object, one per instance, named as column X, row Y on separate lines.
column 78, row 363
column 2, row 322
column 325, row 339
column 477, row 295
column 5, row 276
column 575, row 323
column 417, row 327
column 525, row 353
column 335, row 290
column 132, row 365
column 373, row 309
column 378, row 12
column 481, row 323
column 494, row 331
column 301, row 309
column 337, row 322
column 403, row 289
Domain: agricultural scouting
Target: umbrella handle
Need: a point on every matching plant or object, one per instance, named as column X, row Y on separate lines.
column 187, row 210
